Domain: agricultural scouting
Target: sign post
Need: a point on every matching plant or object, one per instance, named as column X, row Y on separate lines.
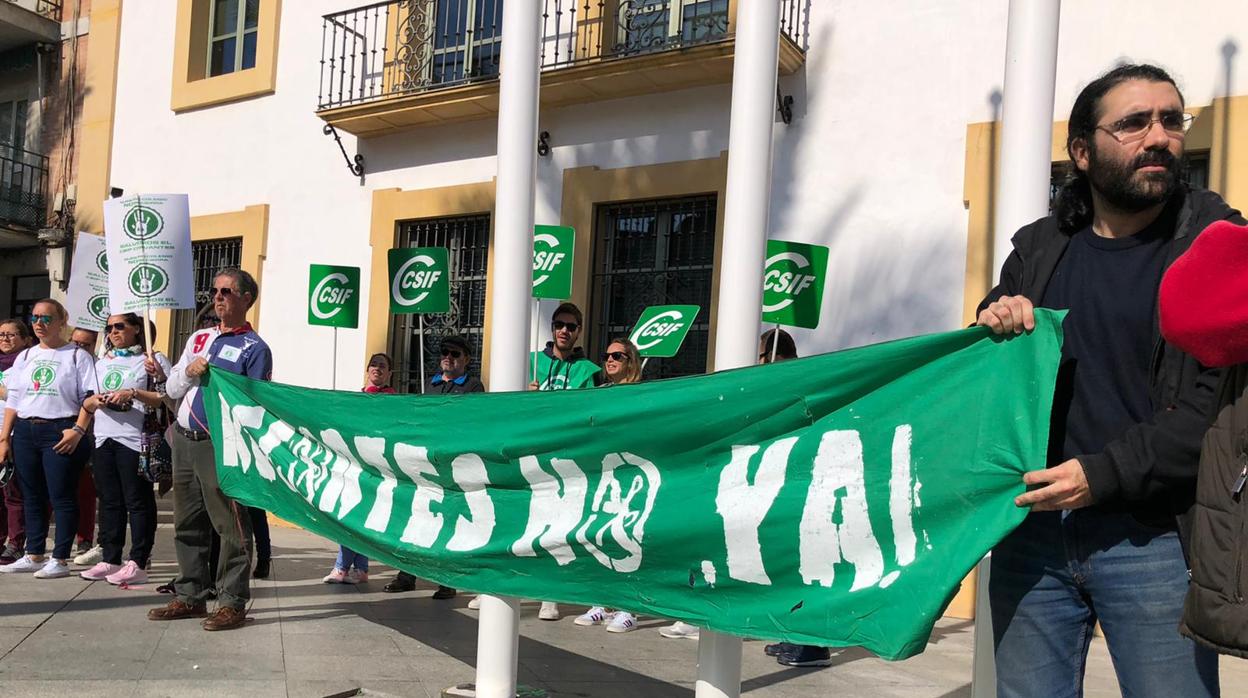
column 334, row 301
column 793, row 280
column 419, row 283
column 87, row 297
column 553, row 246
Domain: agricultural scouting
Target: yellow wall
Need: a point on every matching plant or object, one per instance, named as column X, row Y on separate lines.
column 192, row 88
column 252, row 225
column 95, row 155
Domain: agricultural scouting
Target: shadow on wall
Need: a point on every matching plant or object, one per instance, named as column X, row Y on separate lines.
column 434, row 145
column 1229, row 49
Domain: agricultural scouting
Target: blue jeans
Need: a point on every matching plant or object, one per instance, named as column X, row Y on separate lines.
column 348, row 558
column 1054, row 577
column 48, row 477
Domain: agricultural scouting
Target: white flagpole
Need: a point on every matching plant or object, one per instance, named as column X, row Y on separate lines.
column 744, row 244
column 498, row 631
column 420, row 333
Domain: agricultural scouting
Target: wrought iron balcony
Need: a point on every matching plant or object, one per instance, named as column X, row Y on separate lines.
column 48, row 8
column 23, row 188
column 403, row 49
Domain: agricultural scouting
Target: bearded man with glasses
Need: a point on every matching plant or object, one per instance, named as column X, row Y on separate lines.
column 200, row 507
column 1107, row 534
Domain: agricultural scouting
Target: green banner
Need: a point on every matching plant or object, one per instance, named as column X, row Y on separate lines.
column 333, row 296
column 793, row 283
column 420, row 280
column 661, row 329
column 552, row 261
column 833, row 500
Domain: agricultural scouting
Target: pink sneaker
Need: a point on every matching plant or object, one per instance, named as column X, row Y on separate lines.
column 338, row 576
column 129, row 574
column 101, row 571
column 356, row 577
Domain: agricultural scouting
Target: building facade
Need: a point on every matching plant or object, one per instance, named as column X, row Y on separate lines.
column 330, row 131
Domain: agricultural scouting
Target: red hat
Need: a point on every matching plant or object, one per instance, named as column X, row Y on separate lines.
column 1204, row 297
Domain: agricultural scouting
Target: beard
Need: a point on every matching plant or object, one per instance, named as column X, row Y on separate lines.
column 1131, row 191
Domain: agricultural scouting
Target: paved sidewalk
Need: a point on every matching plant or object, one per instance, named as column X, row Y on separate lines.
column 68, row 637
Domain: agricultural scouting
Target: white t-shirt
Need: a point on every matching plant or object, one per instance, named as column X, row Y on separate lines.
column 123, row 373
column 50, row 383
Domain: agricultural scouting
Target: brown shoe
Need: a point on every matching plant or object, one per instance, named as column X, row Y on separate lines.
column 177, row 609
column 225, row 618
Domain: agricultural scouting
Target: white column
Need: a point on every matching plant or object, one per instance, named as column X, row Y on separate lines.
column 1026, row 120
column 498, row 631
column 745, row 241
column 1022, row 196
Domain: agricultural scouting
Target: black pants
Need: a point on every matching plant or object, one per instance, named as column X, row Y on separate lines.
column 124, row 496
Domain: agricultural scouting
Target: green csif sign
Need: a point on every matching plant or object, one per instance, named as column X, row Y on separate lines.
column 333, row 296
column 661, row 329
column 419, row 280
column 793, row 283
column 552, row 261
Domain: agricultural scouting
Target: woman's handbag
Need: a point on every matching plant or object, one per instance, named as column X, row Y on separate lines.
column 155, row 456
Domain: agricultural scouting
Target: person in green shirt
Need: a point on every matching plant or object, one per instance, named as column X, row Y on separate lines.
column 562, row 365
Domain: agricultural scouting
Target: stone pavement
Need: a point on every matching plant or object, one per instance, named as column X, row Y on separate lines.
column 68, row 637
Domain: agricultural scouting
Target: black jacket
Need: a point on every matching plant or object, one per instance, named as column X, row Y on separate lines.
column 1150, row 469
column 444, row 387
column 1215, row 613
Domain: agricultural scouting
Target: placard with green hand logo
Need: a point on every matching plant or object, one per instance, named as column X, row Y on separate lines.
column 149, row 252
column 419, row 280
column 333, row 296
column 552, row 261
column 87, row 296
column 793, row 283
column 661, row 329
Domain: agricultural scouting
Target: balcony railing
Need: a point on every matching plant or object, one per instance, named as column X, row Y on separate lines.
column 403, row 47
column 48, row 8
column 23, row 188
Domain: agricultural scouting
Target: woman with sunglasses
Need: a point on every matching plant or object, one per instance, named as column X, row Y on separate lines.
column 44, row 425
column 352, row 567
column 128, row 380
column 14, row 337
column 621, row 365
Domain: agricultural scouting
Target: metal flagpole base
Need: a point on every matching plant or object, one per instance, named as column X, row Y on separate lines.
column 468, row 690
column 719, row 665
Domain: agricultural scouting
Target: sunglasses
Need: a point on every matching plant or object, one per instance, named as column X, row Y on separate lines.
column 453, row 353
column 41, row 319
column 119, row 326
column 224, row 292
column 560, row 325
column 615, row 356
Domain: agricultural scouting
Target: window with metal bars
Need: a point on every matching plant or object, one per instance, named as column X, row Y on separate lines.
column 658, row 252
column 467, row 238
column 207, row 258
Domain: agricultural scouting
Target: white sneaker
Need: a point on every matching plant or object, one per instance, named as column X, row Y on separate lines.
column 24, row 563
column 622, row 622
column 475, row 604
column 90, row 558
column 679, row 630
column 594, row 616
column 549, row 611
column 53, row 569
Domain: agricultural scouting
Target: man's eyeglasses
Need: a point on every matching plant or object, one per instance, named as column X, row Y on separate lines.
column 560, row 325
column 119, row 326
column 615, row 356
column 224, row 292
column 1136, row 126
column 453, row 353
column 41, row 319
